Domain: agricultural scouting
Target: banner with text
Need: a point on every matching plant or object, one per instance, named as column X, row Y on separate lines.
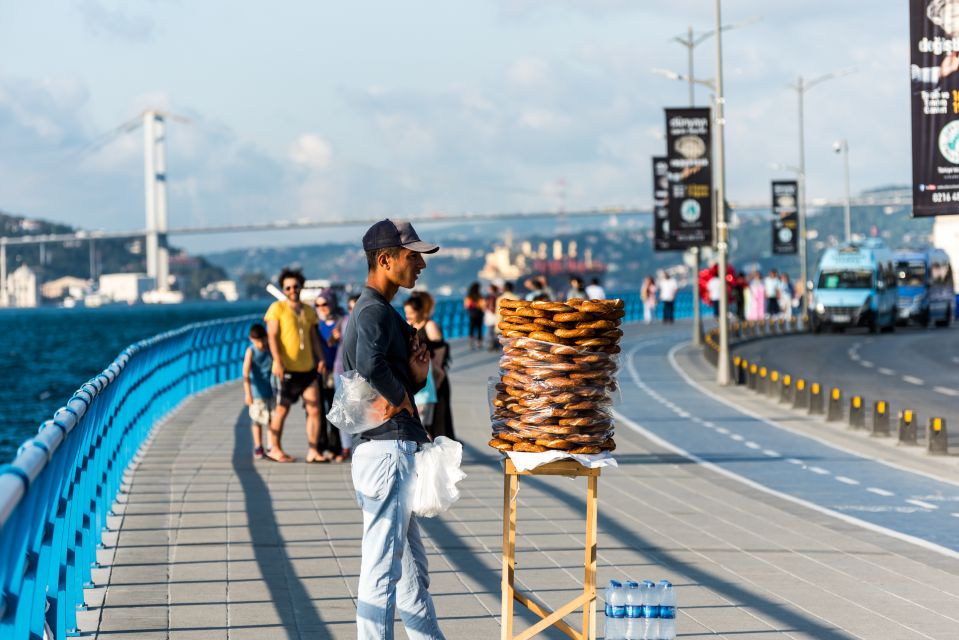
column 690, row 200
column 934, row 72
column 785, row 217
column 660, row 211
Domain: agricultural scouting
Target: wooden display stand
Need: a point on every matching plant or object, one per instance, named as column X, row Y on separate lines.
column 587, row 599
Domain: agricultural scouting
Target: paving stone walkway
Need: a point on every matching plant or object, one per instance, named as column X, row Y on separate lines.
column 210, row 544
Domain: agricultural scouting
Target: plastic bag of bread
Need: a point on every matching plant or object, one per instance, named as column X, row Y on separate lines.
column 357, row 407
column 437, row 473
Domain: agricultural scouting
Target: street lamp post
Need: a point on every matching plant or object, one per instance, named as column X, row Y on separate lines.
column 691, row 41
column 801, row 87
column 842, row 147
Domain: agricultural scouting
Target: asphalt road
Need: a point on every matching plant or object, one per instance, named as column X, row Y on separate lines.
column 660, row 401
column 912, row 368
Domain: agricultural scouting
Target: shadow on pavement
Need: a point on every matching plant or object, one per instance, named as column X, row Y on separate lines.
column 293, row 604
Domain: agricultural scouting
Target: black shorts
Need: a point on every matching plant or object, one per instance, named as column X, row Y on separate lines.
column 292, row 386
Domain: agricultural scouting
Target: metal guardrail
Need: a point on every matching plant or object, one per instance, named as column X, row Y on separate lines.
column 811, row 397
column 56, row 494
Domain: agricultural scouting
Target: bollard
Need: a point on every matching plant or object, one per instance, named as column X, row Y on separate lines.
column 761, row 384
column 744, row 371
column 815, row 400
column 857, row 413
column 880, row 418
column 834, row 413
column 801, row 395
column 907, row 427
column 772, row 388
column 737, row 370
column 786, row 390
column 753, row 376
column 937, row 440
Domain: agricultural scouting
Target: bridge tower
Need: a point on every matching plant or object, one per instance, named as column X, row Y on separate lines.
column 154, row 172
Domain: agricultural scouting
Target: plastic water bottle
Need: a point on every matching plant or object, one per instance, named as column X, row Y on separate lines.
column 667, row 610
column 634, row 611
column 615, row 611
column 650, row 610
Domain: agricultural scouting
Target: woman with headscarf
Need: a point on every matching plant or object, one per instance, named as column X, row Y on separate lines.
column 330, row 329
column 418, row 308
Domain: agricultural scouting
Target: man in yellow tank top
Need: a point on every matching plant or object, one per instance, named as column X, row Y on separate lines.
column 295, row 345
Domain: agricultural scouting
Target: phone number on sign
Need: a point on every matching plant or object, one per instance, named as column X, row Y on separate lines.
column 945, row 196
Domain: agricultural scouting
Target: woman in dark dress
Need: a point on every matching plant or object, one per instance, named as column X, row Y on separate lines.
column 418, row 308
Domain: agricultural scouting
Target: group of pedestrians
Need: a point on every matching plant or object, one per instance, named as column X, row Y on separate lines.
column 758, row 298
column 663, row 289
column 294, row 358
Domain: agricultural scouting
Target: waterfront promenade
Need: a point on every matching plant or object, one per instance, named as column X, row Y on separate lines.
column 210, row 544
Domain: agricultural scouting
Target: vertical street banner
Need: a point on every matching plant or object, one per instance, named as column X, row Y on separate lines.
column 690, row 200
column 785, row 217
column 934, row 75
column 660, row 211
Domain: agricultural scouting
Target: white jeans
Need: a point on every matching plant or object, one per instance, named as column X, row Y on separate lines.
column 393, row 569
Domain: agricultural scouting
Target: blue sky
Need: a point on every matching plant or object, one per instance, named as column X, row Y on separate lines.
column 357, row 109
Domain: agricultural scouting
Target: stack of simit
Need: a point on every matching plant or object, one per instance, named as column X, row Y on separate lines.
column 556, row 375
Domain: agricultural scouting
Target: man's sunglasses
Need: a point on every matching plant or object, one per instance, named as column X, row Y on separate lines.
column 294, row 287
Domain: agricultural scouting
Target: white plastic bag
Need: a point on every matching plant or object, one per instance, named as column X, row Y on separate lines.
column 437, row 472
column 353, row 408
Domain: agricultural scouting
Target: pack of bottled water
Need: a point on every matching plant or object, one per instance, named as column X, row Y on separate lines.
column 640, row 610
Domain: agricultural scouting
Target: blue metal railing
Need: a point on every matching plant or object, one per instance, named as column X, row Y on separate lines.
column 56, row 494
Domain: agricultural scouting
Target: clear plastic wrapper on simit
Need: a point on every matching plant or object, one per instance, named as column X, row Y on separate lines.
column 357, row 407
column 437, row 473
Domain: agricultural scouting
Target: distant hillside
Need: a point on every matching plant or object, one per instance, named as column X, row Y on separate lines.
column 625, row 247
column 112, row 256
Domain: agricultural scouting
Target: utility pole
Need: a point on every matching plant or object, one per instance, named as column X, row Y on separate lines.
column 801, row 87
column 842, row 147
column 691, row 41
column 722, row 368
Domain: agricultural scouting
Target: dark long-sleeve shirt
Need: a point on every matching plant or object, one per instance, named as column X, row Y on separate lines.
column 377, row 345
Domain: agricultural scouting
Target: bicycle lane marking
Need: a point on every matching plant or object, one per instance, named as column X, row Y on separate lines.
column 799, row 482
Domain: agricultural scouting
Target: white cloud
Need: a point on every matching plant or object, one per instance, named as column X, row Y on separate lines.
column 542, row 119
column 529, row 73
column 115, row 22
column 312, row 152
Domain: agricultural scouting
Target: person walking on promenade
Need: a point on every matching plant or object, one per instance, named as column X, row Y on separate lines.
column 489, row 315
column 575, row 290
column 785, row 296
column 384, row 350
column 538, row 287
column 714, row 289
column 667, row 289
column 771, row 289
column 473, row 303
column 647, row 293
column 429, row 333
column 757, row 294
column 330, row 328
column 295, row 347
column 258, row 385
column 595, row 291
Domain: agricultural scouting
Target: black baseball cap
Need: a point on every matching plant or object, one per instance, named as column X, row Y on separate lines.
column 395, row 233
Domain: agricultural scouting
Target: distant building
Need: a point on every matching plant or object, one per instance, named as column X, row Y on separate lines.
column 505, row 262
column 125, row 287
column 65, row 286
column 220, row 290
column 22, row 290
